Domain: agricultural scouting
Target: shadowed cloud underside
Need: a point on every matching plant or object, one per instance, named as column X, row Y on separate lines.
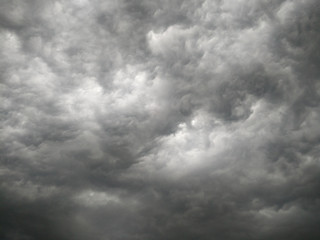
column 153, row 120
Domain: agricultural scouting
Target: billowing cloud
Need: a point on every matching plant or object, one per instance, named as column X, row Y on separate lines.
column 159, row 120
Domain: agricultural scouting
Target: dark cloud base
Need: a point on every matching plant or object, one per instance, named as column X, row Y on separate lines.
column 159, row 120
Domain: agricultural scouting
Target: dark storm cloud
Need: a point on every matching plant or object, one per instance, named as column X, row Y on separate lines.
column 159, row 120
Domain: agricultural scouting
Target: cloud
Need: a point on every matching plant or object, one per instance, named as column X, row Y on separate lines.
column 159, row 120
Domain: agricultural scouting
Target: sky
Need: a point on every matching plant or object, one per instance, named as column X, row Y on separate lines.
column 159, row 120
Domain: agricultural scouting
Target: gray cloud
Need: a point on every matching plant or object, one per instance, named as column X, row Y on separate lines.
column 159, row 120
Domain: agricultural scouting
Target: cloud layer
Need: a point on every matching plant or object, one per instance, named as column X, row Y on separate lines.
column 159, row 120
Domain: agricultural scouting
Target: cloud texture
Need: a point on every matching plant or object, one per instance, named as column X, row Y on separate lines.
column 151, row 120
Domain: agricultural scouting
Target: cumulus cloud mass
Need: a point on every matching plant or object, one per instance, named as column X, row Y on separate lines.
column 159, row 120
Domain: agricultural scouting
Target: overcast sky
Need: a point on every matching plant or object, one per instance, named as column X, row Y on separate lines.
column 159, row 120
